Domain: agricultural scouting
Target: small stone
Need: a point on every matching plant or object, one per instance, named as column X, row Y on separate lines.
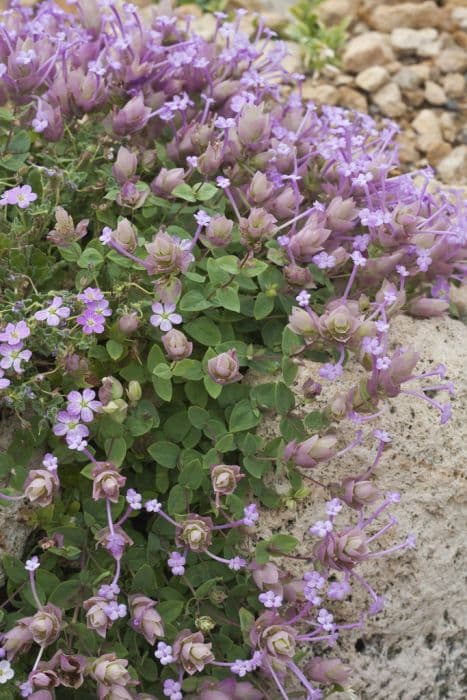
column 408, row 78
column 454, row 85
column 406, row 41
column 321, row 94
column 434, row 94
column 459, row 17
column 293, row 62
column 407, row 150
column 453, row 168
column 427, row 126
column 440, row 151
column 415, row 15
column 368, row 49
column 389, row 100
column 372, row 78
column 333, row 11
column 415, row 98
column 452, row 61
column 448, row 126
column 352, row 99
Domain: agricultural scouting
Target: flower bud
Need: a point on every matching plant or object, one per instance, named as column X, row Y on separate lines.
column 132, row 196
column 176, row 345
column 167, row 180
column 110, row 670
column 217, row 596
column 421, row 307
column 205, row 623
column 115, row 542
column 309, row 240
column 145, row 618
column 343, row 550
column 284, row 205
column 116, row 409
column 224, row 479
column 167, row 254
column 110, row 390
column 328, row 671
column 96, row 617
column 107, row 482
column 69, row 669
column 338, row 407
column 43, row 678
column 259, row 226
column 169, row 289
column 65, row 231
column 134, row 391
column 339, row 324
column 218, row 233
column 308, row 453
column 131, row 118
column 341, row 214
column 265, row 575
column 40, row 486
column 299, row 276
column 195, row 532
column 303, row 323
column 114, row 692
column 357, row 493
column 398, row 295
column 45, row 625
column 274, row 636
column 125, row 235
column 125, row 165
column 224, row 368
column 128, row 323
column 17, row 640
column 192, row 652
column 311, row 389
column 260, row 188
column 210, row 161
column 253, row 125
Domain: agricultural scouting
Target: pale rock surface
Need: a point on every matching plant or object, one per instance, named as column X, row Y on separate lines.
column 415, row 649
column 368, row 49
column 389, row 100
column 404, row 40
column 334, row 11
column 372, row 78
column 434, row 94
column 415, row 15
column 453, row 168
column 454, row 85
column 427, row 126
column 452, row 60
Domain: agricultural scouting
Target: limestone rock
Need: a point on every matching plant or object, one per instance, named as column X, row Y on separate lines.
column 453, row 168
column 334, row 11
column 321, row 94
column 408, row 78
column 415, row 15
column 452, row 60
column 368, row 49
column 419, row 41
column 412, row 650
column 426, row 124
column 352, row 99
column 434, row 94
column 389, row 100
column 372, row 78
column 454, row 85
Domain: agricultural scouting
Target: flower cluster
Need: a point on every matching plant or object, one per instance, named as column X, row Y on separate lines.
column 231, row 227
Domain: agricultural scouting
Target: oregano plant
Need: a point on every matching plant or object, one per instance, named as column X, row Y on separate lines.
column 175, row 220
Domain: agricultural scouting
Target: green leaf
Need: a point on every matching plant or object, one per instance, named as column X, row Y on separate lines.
column 114, row 348
column 289, row 370
column 206, row 192
column 283, row 544
column 177, row 501
column 194, row 300
column 163, row 388
column 204, row 331
column 170, row 610
column 116, row 449
column 67, row 594
column 189, row 369
column 70, row 253
column 261, row 552
column 243, row 417
column 198, row 416
column 228, row 297
column 184, row 191
column 163, row 371
column 255, row 467
column 214, row 390
column 14, row 569
column 226, row 443
column 229, row 263
column 314, row 421
column 144, row 580
column 264, row 304
column 247, row 620
column 90, row 258
column 285, row 400
column 290, row 342
column 165, row 453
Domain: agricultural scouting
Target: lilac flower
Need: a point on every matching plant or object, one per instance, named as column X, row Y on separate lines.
column 331, row 371
column 176, row 563
column 115, row 611
column 22, row 196
column 270, row 599
column 68, row 423
column 333, row 507
column 26, row 689
column 202, row 218
column 303, row 299
column 223, row 182
column 4, row 382
column 153, row 506
column 382, row 435
column 383, row 362
column 99, row 308
column 106, row 236
column 250, row 514
column 90, row 294
column 173, row 689
column 358, row 259
column 32, row 564
column 164, row 316
column 6, row 672
column 83, row 405
column 54, row 313
column 326, row 620
column 91, row 322
column 236, row 564
column 324, row 261
column 321, row 528
column 133, row 498
column 192, row 161
column 13, row 356
column 339, row 590
column 109, row 591
column 50, row 462
column 14, row 333
column 164, row 653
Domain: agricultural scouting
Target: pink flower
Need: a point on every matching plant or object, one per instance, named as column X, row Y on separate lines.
column 83, row 405
column 164, row 316
column 53, row 313
column 12, row 356
column 3, row 381
column 14, row 333
column 68, row 423
column 91, row 322
column 22, row 196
